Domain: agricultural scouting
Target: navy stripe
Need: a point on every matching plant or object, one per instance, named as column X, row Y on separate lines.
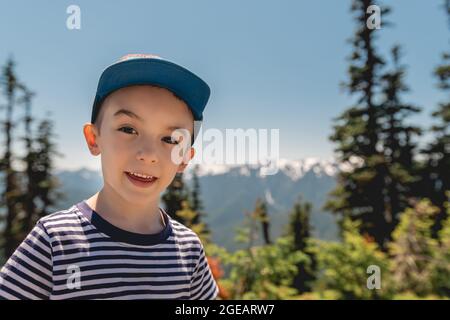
column 117, row 248
column 100, row 276
column 108, row 240
column 117, row 284
column 111, row 295
column 121, row 256
column 127, row 265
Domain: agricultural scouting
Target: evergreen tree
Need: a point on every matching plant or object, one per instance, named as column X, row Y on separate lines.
column 401, row 169
column 262, row 216
column 29, row 197
column 196, row 202
column 373, row 139
column 359, row 193
column 11, row 193
column 435, row 172
column 45, row 182
column 33, row 189
column 300, row 230
column 175, row 194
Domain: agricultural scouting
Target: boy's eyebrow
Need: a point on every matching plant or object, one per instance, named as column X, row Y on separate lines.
column 174, row 128
column 131, row 114
column 128, row 113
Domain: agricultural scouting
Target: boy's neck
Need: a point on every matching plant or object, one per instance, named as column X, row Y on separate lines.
column 124, row 215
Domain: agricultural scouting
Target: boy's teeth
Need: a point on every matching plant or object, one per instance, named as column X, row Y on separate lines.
column 141, row 175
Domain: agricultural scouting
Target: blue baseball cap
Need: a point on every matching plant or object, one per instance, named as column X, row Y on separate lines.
column 140, row 69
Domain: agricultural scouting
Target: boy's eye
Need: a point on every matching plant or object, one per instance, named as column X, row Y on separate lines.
column 170, row 140
column 127, row 130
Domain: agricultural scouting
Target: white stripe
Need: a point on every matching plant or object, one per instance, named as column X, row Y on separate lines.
column 66, row 220
column 114, row 290
column 125, row 261
column 146, row 296
column 86, row 245
column 119, row 271
column 182, row 254
column 126, row 279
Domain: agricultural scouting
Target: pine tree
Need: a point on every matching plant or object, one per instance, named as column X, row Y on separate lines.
column 373, row 139
column 196, row 202
column 46, row 183
column 397, row 141
column 34, row 188
column 262, row 216
column 299, row 229
column 29, row 196
column 11, row 193
column 435, row 173
column 174, row 196
column 359, row 194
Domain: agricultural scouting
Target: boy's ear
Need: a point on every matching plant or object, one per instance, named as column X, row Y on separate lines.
column 90, row 134
column 189, row 155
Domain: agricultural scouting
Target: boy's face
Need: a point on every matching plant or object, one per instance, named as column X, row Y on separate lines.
column 142, row 145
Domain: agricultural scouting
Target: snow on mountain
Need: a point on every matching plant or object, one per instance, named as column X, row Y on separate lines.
column 295, row 169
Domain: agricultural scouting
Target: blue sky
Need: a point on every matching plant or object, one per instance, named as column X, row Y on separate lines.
column 270, row 64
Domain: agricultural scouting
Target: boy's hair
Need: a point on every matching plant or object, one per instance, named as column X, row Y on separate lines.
column 98, row 121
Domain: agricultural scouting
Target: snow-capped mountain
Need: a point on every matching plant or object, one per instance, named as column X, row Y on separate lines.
column 295, row 169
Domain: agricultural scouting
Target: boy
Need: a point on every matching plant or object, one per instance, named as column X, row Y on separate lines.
column 119, row 244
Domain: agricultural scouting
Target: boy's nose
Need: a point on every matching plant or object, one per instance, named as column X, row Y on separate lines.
column 147, row 155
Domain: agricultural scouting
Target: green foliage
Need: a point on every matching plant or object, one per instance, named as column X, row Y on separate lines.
column 441, row 265
column 188, row 215
column 262, row 272
column 343, row 266
column 413, row 249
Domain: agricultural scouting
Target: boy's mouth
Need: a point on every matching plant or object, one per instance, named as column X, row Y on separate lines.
column 140, row 180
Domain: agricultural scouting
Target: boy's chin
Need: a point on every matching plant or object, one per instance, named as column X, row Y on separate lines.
column 140, row 197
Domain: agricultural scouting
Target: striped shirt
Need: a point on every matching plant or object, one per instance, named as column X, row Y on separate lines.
column 76, row 254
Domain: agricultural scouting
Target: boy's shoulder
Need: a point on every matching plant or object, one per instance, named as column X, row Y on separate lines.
column 67, row 215
column 63, row 222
